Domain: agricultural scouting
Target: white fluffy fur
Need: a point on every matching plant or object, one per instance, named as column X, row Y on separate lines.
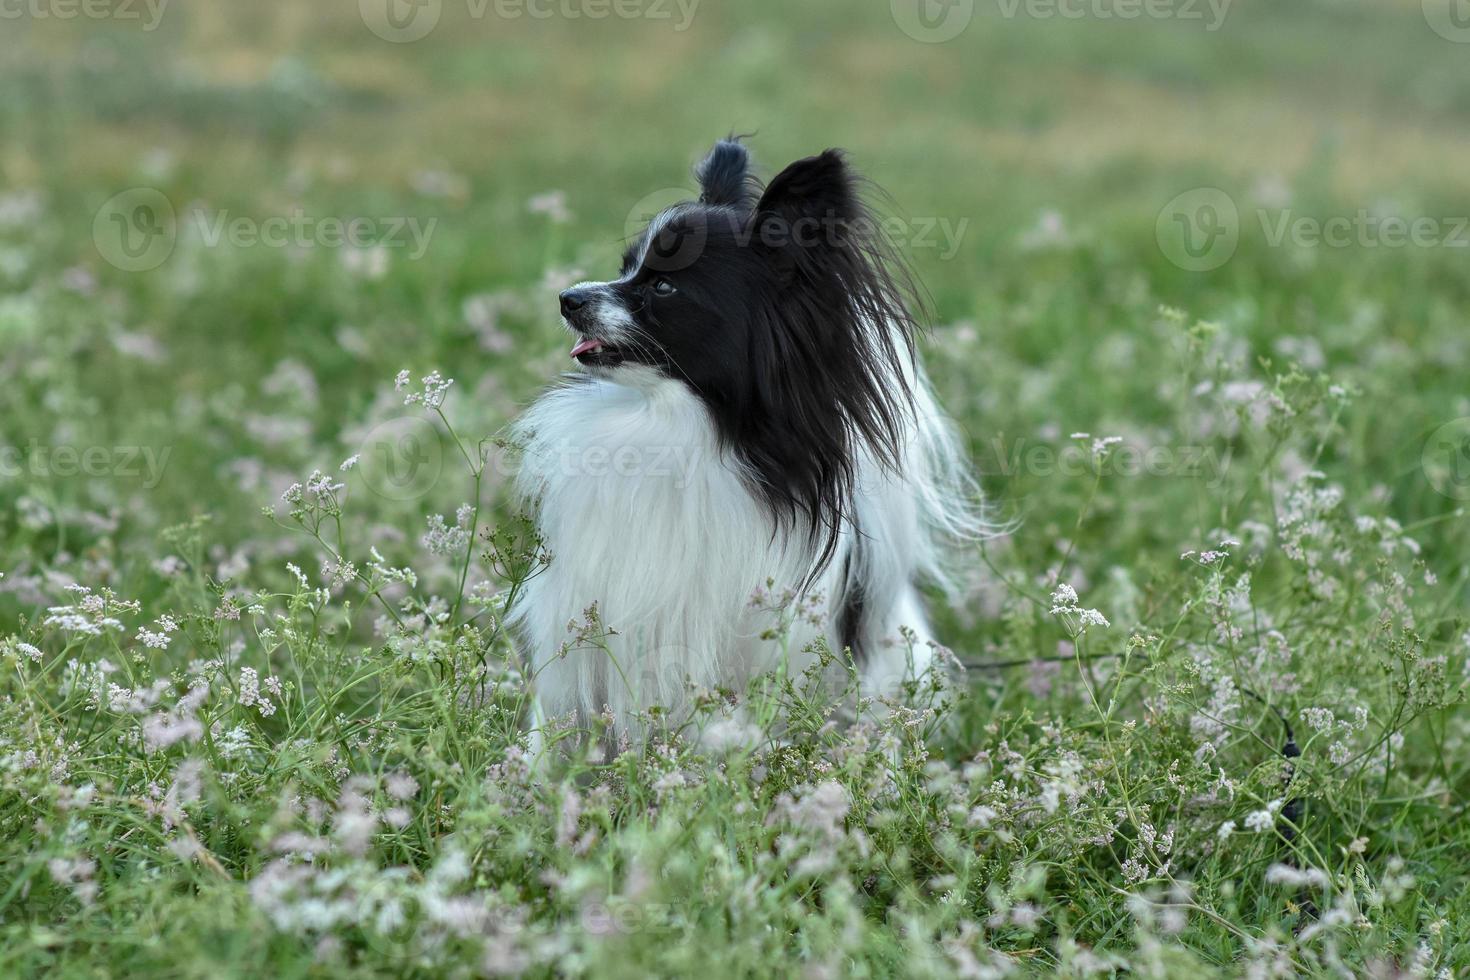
column 647, row 517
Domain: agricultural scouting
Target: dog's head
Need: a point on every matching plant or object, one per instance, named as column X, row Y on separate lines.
column 708, row 282
column 780, row 306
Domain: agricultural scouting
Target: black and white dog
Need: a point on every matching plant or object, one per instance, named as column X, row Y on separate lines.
column 749, row 410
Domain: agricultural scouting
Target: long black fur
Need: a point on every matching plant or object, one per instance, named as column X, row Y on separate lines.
column 792, row 319
column 725, row 178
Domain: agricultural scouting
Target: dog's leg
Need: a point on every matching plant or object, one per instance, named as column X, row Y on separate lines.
column 901, row 649
column 537, row 747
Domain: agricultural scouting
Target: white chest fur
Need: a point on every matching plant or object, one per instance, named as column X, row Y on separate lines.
column 645, row 516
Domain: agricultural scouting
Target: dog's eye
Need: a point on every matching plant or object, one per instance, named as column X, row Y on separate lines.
column 662, row 287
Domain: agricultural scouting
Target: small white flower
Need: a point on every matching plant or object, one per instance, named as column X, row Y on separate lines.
column 401, row 786
column 151, row 640
column 435, row 389
column 553, row 204
column 1318, row 719
column 169, row 566
column 1285, row 874
column 1261, row 821
column 1078, row 620
column 442, row 539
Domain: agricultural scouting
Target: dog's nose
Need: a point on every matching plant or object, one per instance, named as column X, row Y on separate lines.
column 573, row 300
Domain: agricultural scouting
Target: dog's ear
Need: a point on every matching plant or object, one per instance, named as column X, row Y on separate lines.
column 822, row 187
column 809, row 206
column 724, row 176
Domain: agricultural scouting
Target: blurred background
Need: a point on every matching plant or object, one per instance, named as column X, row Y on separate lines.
column 1231, row 235
column 225, row 227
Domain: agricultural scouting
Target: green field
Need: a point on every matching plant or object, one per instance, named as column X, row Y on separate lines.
column 242, row 735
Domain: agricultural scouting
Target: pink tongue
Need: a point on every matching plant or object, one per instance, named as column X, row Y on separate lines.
column 585, row 347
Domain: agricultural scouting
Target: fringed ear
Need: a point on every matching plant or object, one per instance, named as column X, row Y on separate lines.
column 724, row 176
column 808, row 209
column 819, row 189
column 839, row 328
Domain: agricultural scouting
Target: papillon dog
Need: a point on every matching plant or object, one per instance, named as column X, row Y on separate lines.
column 749, row 438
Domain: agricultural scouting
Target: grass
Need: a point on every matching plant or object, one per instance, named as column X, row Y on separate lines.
column 260, row 773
